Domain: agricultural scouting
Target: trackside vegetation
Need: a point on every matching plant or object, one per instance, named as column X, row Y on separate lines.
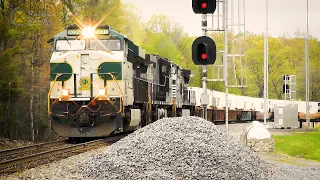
column 303, row 145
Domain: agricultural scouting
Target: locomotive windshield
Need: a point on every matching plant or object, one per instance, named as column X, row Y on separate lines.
column 102, row 45
column 70, row 45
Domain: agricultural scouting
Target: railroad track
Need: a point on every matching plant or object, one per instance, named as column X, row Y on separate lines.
column 51, row 154
column 27, row 150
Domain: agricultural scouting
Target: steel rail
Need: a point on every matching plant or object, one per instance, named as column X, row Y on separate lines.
column 10, row 166
column 15, row 151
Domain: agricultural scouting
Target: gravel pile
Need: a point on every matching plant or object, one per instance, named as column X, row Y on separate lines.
column 172, row 148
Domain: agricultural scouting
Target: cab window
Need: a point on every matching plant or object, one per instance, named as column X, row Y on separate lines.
column 102, row 45
column 70, row 45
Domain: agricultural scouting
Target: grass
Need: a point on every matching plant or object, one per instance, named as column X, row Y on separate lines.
column 303, row 145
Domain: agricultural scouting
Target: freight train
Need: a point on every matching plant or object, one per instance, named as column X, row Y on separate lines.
column 101, row 83
column 245, row 108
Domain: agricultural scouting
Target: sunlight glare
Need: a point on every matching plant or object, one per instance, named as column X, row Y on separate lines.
column 88, row 32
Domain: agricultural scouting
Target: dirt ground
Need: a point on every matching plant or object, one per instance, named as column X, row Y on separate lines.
column 278, row 158
column 274, row 131
column 8, row 144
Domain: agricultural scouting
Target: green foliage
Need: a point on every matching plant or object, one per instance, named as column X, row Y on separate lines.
column 167, row 39
column 133, row 27
column 255, row 65
column 3, row 123
column 286, row 56
column 23, row 45
column 159, row 44
column 90, row 12
column 305, row 145
column 42, row 124
column 9, row 75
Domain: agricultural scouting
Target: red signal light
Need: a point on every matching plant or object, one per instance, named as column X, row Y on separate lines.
column 204, row 56
column 204, row 5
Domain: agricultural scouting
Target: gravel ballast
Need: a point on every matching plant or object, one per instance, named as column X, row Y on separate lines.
column 189, row 147
column 172, row 148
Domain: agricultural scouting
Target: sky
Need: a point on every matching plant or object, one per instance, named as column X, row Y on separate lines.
column 284, row 16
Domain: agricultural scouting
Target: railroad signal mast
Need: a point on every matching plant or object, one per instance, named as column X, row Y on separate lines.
column 204, row 48
column 289, row 87
column 220, row 23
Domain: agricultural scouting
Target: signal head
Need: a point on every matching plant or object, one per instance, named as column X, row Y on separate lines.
column 204, row 56
column 203, row 51
column 285, row 88
column 204, row 6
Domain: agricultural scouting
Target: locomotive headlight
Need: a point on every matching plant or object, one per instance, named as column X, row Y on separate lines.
column 65, row 93
column 88, row 32
column 102, row 92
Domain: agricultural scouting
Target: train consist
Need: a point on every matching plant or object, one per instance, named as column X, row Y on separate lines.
column 244, row 108
column 102, row 84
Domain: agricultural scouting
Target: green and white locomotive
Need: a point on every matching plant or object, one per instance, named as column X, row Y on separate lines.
column 102, row 84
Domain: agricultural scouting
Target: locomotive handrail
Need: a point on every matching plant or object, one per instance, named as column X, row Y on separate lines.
column 164, row 84
column 55, row 80
column 74, row 81
column 114, row 80
column 149, row 102
column 121, row 98
column 75, row 88
column 174, row 106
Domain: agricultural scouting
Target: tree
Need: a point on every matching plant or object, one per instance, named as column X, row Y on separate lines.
column 255, row 65
column 133, row 27
column 24, row 47
column 167, row 38
column 10, row 86
column 109, row 12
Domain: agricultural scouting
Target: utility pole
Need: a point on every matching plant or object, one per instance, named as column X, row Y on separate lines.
column 307, row 69
column 266, row 69
column 204, row 67
column 10, row 122
column 225, row 60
